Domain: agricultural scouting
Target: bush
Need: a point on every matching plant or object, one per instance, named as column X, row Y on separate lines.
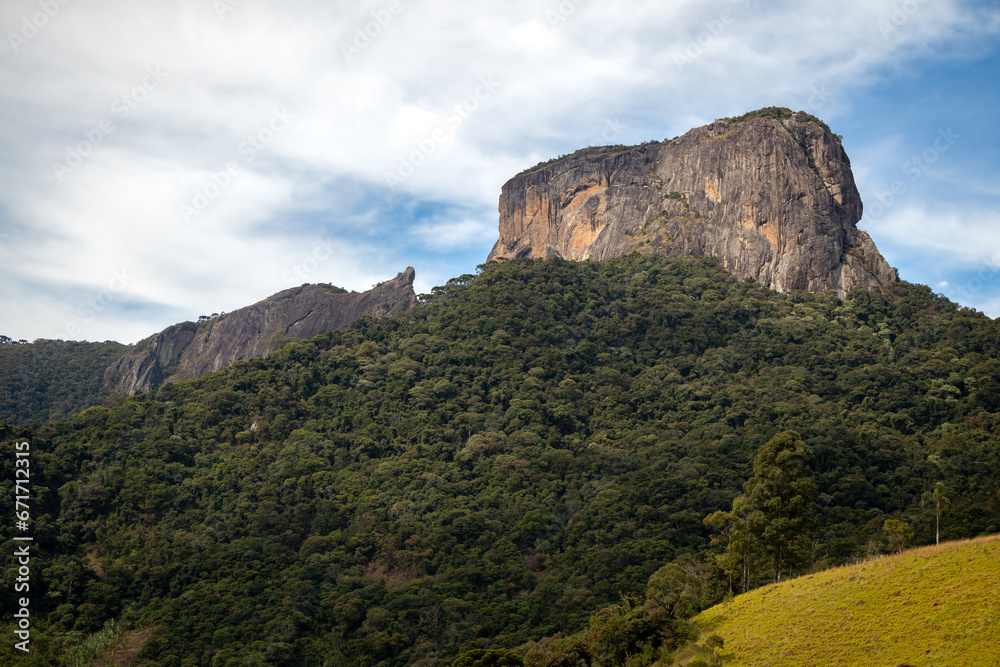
column 488, row 658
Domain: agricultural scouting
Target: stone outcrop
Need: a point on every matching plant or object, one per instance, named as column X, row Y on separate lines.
column 190, row 350
column 771, row 195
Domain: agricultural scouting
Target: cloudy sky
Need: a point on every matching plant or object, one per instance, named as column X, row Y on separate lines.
column 160, row 160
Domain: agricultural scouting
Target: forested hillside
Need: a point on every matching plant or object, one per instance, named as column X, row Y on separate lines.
column 498, row 464
column 52, row 379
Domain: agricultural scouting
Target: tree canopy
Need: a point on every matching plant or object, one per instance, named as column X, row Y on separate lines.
column 53, row 379
column 510, row 461
column 780, row 497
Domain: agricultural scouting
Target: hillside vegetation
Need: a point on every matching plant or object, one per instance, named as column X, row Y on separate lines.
column 525, row 451
column 930, row 606
column 52, row 379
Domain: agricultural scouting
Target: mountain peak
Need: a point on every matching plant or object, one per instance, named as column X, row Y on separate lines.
column 770, row 194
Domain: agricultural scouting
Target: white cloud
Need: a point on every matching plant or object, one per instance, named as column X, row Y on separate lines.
column 558, row 87
column 450, row 234
column 954, row 238
column 956, row 250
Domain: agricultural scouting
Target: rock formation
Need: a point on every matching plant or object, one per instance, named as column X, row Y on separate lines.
column 770, row 194
column 190, row 350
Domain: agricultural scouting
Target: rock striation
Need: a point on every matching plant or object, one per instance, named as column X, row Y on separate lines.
column 770, row 194
column 190, row 350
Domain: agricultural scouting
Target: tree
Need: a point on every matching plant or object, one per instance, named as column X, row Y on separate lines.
column 897, row 533
column 488, row 658
column 780, row 498
column 619, row 631
column 742, row 548
column 674, row 592
column 774, row 515
column 938, row 499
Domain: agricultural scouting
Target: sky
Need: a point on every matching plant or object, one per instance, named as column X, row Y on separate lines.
column 169, row 159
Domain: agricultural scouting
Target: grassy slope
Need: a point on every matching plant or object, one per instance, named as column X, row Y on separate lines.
column 928, row 606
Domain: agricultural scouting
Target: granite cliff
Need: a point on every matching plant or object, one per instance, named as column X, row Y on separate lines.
column 190, row 350
column 770, row 194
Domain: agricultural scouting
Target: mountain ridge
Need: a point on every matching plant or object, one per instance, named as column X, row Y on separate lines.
column 187, row 350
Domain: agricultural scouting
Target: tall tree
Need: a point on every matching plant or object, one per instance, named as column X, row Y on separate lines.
column 774, row 515
column 938, row 499
column 742, row 547
column 780, row 497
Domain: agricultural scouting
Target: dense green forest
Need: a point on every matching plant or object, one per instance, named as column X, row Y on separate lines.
column 52, row 379
column 530, row 446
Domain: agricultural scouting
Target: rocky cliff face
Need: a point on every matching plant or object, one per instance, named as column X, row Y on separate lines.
column 771, row 195
column 190, row 350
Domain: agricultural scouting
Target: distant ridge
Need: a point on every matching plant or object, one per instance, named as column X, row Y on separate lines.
column 190, row 350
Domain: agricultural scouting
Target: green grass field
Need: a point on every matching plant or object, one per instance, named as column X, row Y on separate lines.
column 937, row 605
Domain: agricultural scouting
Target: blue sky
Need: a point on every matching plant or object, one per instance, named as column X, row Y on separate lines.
column 163, row 160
